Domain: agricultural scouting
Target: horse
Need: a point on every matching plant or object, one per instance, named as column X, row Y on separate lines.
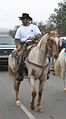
column 37, row 64
column 60, row 66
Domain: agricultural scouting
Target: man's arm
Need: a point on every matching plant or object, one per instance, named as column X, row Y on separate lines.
column 17, row 42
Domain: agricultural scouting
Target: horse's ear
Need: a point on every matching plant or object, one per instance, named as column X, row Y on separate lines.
column 45, row 37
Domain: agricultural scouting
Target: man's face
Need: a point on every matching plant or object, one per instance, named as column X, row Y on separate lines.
column 25, row 21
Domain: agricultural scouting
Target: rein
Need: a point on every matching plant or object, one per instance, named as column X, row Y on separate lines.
column 40, row 66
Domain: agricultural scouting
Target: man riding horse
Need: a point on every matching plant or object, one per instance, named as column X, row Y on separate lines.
column 26, row 35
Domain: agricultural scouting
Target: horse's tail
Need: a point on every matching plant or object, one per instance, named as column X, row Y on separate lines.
column 57, row 68
column 11, row 73
column 11, row 70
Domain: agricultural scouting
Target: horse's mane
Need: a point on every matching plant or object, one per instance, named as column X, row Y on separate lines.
column 44, row 38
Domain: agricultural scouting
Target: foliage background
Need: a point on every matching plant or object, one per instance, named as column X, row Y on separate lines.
column 56, row 21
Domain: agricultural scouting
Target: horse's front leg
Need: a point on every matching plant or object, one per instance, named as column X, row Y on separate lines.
column 33, row 91
column 16, row 87
column 39, row 104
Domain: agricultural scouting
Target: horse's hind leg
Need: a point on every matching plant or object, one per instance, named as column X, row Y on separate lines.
column 33, row 90
column 39, row 104
column 16, row 87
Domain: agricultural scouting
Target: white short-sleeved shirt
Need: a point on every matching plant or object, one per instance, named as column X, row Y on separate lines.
column 24, row 31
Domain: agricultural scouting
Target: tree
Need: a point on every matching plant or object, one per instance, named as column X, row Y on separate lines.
column 13, row 31
column 58, row 19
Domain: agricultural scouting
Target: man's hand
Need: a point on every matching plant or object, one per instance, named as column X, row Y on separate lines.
column 30, row 37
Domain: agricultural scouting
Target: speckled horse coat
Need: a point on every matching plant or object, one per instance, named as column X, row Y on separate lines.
column 37, row 65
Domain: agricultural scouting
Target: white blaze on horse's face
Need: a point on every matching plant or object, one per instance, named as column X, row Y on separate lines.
column 48, row 47
column 53, row 48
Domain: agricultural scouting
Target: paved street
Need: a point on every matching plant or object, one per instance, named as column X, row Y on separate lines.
column 54, row 100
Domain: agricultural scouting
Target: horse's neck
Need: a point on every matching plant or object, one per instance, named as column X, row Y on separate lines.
column 42, row 57
column 37, row 56
column 42, row 51
column 38, row 53
column 43, row 39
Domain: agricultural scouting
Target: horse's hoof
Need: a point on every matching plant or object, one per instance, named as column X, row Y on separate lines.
column 65, row 90
column 32, row 107
column 39, row 109
column 18, row 103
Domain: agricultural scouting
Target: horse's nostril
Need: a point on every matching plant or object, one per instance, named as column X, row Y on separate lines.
column 55, row 56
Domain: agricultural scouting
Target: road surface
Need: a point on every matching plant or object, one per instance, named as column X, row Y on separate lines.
column 53, row 102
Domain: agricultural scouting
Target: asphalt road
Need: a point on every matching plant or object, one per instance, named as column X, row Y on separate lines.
column 54, row 100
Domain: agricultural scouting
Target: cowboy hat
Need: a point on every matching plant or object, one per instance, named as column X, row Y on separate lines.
column 25, row 16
